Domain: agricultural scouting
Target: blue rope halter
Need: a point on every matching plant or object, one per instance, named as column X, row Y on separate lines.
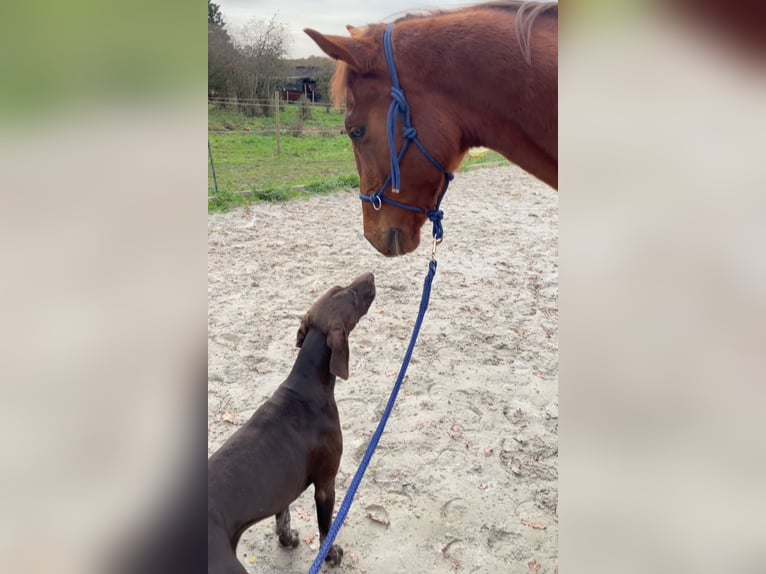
column 399, row 107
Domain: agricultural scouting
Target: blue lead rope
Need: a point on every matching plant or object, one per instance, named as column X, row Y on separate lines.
column 349, row 498
column 398, row 108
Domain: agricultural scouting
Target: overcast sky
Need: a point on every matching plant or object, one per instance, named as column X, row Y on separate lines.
column 327, row 16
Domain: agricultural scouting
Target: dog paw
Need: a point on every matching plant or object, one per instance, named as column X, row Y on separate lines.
column 290, row 539
column 335, row 555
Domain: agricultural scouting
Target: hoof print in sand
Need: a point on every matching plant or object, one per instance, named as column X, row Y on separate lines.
column 378, row 514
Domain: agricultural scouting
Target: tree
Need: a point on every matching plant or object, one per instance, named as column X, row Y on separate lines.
column 261, row 46
column 249, row 65
column 214, row 15
column 221, row 54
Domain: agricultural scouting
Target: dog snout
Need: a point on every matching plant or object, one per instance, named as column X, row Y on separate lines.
column 364, row 286
column 363, row 279
column 366, row 278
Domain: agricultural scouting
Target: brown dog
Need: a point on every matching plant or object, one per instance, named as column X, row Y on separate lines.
column 292, row 441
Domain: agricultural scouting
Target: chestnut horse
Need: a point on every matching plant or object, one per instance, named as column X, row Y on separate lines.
column 485, row 75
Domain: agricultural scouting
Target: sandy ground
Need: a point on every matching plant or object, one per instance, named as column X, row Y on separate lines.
column 465, row 477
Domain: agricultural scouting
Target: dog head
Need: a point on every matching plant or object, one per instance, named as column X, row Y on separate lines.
column 335, row 314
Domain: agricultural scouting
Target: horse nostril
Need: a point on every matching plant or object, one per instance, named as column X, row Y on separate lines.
column 393, row 242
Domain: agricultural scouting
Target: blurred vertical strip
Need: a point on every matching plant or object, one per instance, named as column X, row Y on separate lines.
column 103, row 181
column 662, row 286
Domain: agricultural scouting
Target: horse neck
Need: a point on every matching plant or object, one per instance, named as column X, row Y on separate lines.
column 482, row 79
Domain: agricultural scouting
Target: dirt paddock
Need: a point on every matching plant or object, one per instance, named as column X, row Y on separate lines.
column 465, row 476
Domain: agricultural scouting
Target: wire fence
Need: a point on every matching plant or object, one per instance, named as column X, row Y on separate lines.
column 271, row 104
column 281, row 145
column 260, row 144
column 273, row 131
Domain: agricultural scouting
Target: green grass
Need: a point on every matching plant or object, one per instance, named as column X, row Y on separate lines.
column 226, row 199
column 491, row 158
column 320, row 160
column 253, row 159
column 246, row 160
column 322, row 117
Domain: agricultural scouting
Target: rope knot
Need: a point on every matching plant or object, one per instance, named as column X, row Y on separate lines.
column 410, row 133
column 436, row 216
column 398, row 96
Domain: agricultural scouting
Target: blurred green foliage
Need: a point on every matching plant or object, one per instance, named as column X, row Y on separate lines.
column 589, row 13
column 54, row 55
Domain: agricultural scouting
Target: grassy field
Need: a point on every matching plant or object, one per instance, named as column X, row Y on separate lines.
column 315, row 156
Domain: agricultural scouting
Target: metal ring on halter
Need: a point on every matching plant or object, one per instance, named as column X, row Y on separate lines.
column 376, row 202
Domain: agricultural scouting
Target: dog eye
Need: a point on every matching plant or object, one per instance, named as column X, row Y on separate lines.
column 356, row 132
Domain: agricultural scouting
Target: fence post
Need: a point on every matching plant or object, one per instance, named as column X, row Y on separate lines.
column 212, row 165
column 276, row 101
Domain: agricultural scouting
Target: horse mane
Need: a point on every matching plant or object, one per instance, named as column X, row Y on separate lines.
column 527, row 11
column 338, row 84
column 526, row 15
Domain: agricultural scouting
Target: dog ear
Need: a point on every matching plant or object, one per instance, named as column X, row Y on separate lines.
column 302, row 331
column 337, row 341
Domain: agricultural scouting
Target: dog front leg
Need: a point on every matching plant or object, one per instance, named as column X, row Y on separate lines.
column 324, row 497
column 287, row 537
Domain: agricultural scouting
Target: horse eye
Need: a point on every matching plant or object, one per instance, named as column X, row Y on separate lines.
column 356, row 132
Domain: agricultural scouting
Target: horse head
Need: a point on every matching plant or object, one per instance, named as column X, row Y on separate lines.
column 364, row 79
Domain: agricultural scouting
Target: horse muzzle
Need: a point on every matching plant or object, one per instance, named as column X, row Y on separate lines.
column 392, row 242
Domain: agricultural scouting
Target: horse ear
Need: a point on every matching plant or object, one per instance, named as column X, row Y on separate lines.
column 357, row 52
column 337, row 341
column 352, row 30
